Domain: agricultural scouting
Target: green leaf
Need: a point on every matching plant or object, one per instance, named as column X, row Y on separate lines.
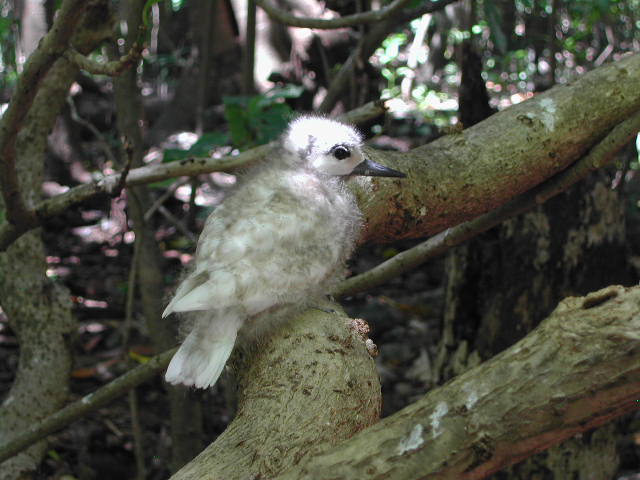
column 207, row 142
column 54, row 455
column 237, row 121
column 174, row 155
column 240, row 100
column 258, row 119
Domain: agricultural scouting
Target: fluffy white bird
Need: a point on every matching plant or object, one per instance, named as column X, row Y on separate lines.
column 279, row 240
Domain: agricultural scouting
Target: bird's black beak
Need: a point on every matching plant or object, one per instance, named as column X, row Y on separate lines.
column 369, row 168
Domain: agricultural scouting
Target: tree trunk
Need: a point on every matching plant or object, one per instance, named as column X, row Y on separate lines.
column 39, row 310
column 503, row 283
column 185, row 409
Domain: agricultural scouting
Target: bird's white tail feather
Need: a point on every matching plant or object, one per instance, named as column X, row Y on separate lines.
column 203, row 354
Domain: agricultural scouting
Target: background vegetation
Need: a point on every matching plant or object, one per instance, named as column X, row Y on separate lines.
column 154, row 82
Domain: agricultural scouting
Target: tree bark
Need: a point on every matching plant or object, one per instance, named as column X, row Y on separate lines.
column 571, row 245
column 39, row 310
column 456, row 177
column 579, row 369
column 292, row 405
column 460, row 176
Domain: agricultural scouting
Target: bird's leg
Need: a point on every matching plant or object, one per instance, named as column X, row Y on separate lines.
column 331, row 311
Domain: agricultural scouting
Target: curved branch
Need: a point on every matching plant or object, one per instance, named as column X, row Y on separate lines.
column 462, row 175
column 456, row 177
column 501, row 412
column 307, row 388
column 38, row 65
column 112, row 68
column 372, row 16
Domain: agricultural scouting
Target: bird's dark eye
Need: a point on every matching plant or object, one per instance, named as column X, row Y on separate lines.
column 341, row 152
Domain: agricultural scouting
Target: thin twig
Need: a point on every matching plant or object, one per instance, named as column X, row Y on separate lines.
column 163, row 198
column 112, row 68
column 122, row 181
column 133, row 397
column 372, row 16
column 75, row 116
column 9, row 232
column 86, row 405
column 177, row 223
column 136, row 429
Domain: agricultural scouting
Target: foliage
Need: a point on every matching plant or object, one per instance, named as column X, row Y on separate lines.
column 519, row 54
column 259, row 119
column 252, row 120
column 201, row 149
column 8, row 42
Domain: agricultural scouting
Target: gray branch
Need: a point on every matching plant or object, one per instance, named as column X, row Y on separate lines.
column 87, row 404
column 596, row 158
column 579, row 369
column 372, row 16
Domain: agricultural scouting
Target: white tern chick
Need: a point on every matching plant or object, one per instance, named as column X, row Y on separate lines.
column 280, row 239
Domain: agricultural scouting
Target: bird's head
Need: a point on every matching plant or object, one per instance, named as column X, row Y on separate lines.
column 331, row 148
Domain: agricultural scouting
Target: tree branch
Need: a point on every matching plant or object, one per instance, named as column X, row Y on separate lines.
column 39, row 310
column 372, row 16
column 112, row 68
column 9, row 232
column 596, row 158
column 463, row 175
column 50, row 49
column 579, row 369
column 307, row 388
column 87, row 404
column 454, row 178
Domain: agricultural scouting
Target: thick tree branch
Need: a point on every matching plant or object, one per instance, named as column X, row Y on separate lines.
column 40, row 62
column 372, row 16
column 579, row 369
column 38, row 309
column 454, row 178
column 310, row 386
column 461, row 176
column 405, row 261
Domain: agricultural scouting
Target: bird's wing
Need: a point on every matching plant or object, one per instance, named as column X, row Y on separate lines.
column 202, row 290
column 255, row 260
